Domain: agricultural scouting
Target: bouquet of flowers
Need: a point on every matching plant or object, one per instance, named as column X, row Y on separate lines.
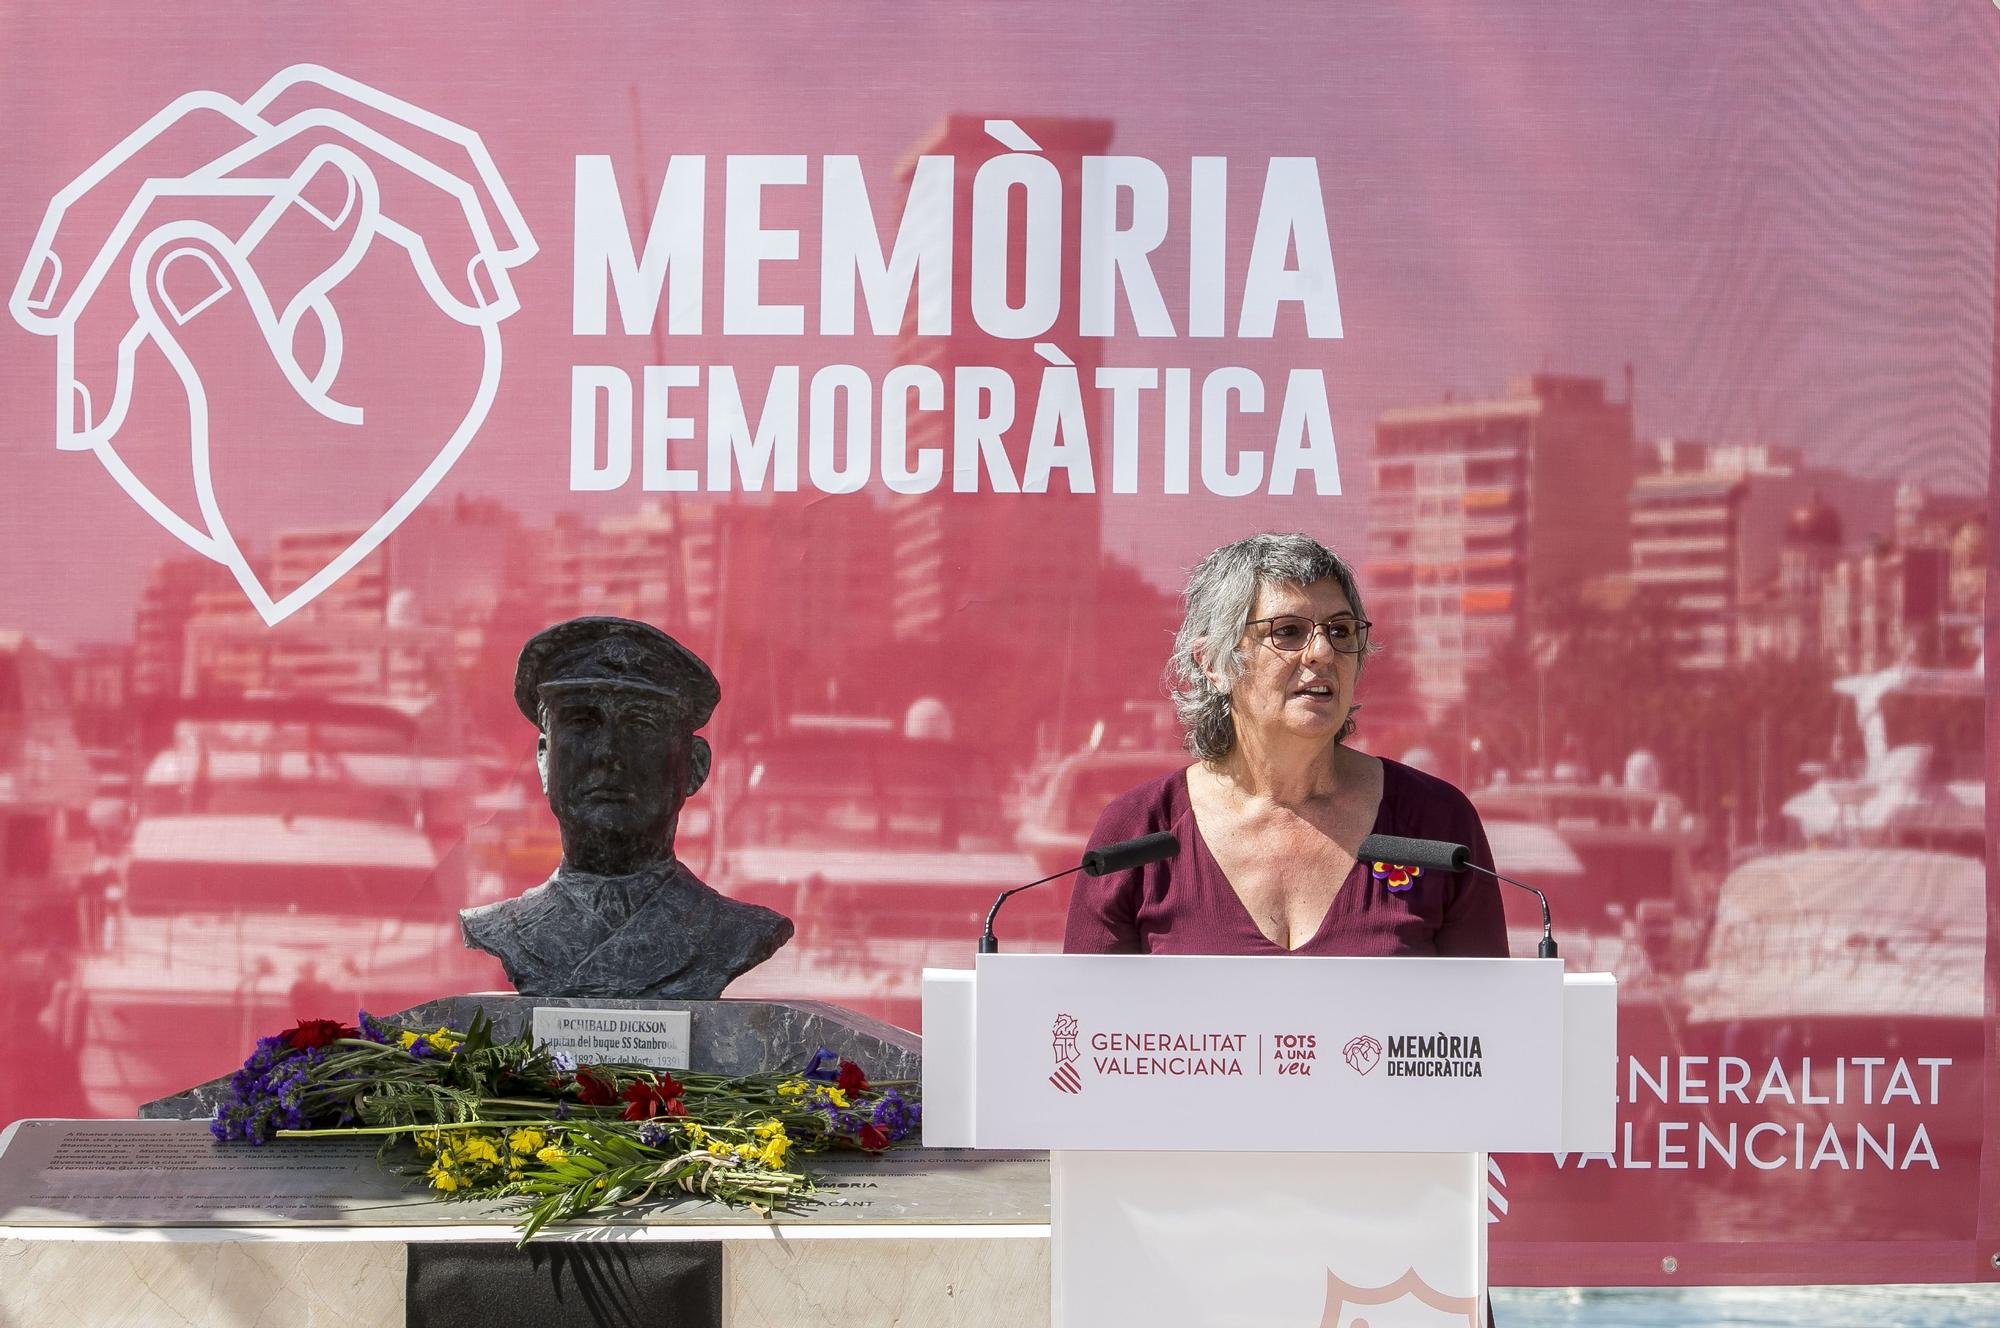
column 481, row 1118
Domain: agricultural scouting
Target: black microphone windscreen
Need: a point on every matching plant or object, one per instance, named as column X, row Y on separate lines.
column 1156, row 847
column 1430, row 854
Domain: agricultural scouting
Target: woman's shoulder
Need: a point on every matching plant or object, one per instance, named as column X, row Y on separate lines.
column 1153, row 805
column 1418, row 792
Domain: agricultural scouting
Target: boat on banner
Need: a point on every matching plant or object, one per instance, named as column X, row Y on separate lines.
column 1847, row 987
column 1850, row 975
column 1909, row 763
column 1617, row 862
column 885, row 843
column 290, row 857
column 1064, row 804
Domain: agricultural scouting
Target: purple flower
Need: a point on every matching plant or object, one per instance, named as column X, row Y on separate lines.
column 824, row 1066
column 843, row 1122
column 653, row 1134
column 266, row 1094
column 895, row 1115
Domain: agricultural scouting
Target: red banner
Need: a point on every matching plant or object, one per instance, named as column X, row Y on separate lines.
column 901, row 365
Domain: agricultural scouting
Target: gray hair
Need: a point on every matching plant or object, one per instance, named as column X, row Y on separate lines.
column 1218, row 599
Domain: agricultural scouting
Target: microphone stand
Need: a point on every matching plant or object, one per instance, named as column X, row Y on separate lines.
column 1450, row 857
column 1546, row 949
column 1125, row 854
column 988, row 943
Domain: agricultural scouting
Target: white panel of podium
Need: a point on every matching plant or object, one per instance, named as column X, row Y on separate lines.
column 1246, row 1141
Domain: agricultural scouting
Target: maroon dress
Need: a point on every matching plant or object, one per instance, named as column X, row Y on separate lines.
column 1185, row 905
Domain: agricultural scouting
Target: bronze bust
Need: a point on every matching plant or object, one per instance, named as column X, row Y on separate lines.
column 618, row 703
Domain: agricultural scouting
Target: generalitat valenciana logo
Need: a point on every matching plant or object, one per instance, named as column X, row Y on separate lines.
column 203, row 261
column 1063, row 1040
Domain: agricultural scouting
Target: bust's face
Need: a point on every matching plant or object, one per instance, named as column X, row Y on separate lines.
column 617, row 765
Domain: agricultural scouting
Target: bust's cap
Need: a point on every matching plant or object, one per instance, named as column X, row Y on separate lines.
column 614, row 652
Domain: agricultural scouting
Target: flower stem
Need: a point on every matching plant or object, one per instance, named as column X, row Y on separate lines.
column 358, row 1130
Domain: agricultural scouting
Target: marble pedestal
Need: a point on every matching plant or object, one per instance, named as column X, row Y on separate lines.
column 176, row 1280
column 931, row 1237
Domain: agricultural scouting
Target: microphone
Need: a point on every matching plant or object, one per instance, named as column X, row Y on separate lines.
column 1156, row 847
column 1437, row 855
column 1430, row 854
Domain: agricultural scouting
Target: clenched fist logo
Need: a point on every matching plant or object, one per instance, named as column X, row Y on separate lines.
column 283, row 311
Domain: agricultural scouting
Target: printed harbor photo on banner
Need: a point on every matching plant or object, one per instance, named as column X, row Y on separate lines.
column 899, row 368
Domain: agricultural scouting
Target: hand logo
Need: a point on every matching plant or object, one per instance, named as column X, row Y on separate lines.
column 220, row 224
column 1363, row 1053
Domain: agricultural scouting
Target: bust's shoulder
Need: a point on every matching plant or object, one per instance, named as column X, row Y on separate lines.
column 507, row 915
column 690, row 893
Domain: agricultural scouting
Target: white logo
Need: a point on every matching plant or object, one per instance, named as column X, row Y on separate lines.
column 1408, row 1302
column 327, row 166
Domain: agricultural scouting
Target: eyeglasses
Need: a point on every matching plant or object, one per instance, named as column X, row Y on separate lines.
column 1291, row 633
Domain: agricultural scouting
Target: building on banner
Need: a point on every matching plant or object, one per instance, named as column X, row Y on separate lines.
column 1031, row 570
column 1490, row 512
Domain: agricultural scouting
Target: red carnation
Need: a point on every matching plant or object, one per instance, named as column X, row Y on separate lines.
column 873, row 1138
column 851, row 1079
column 317, row 1033
column 593, row 1091
column 643, row 1101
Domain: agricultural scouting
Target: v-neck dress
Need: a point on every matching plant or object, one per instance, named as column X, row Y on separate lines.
column 1186, row 905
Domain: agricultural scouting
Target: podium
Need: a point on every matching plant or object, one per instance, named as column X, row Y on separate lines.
column 1239, row 1141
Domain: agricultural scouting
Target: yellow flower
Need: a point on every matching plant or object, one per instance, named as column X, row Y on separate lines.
column 748, row 1152
column 551, row 1155
column 793, row 1088
column 527, row 1142
column 478, row 1148
column 837, row 1097
column 696, row 1135
column 776, row 1144
column 443, row 1040
column 443, row 1178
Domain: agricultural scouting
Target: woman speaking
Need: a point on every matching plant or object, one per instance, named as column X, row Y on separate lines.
column 1271, row 814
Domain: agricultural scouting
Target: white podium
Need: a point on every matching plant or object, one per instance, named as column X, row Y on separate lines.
column 1256, row 1141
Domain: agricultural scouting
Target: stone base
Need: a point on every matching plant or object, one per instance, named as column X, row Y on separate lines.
column 973, row 1283
column 865, row 1283
column 301, row 1277
column 206, row 1284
